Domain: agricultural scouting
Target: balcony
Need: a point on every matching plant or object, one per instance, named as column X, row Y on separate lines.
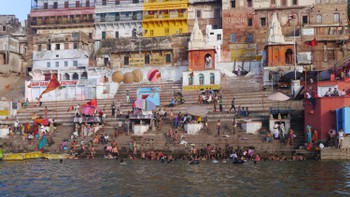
column 164, row 1
column 165, row 16
column 63, row 6
column 120, row 18
column 61, row 22
column 325, row 33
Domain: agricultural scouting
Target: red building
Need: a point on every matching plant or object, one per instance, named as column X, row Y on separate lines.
column 323, row 116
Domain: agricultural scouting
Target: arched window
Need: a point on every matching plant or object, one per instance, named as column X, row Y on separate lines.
column 289, row 56
column 201, row 79
column 212, row 78
column 66, row 76
column 84, row 75
column 208, row 61
column 190, row 79
column 75, row 76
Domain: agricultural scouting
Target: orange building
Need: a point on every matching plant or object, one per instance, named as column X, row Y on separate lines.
column 279, row 54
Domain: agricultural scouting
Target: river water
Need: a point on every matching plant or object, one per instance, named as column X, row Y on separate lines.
column 102, row 177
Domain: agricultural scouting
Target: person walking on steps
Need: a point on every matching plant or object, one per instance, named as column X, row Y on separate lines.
column 127, row 96
column 233, row 105
column 113, row 109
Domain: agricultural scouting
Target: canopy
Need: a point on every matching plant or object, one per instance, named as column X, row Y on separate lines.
column 291, row 76
column 145, row 104
column 278, row 96
column 197, row 110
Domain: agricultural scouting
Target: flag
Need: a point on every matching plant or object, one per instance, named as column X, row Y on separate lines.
column 93, row 102
column 53, row 84
column 311, row 43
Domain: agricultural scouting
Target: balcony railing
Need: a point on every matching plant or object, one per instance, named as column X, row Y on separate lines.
column 61, row 22
column 63, row 6
column 165, row 1
column 120, row 18
column 166, row 16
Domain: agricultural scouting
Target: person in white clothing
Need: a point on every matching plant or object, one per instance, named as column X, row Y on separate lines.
column 340, row 137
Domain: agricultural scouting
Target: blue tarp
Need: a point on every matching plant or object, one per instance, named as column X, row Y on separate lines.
column 151, row 94
column 343, row 119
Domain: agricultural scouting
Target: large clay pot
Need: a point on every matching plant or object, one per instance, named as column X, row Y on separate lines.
column 128, row 77
column 117, row 76
column 138, row 75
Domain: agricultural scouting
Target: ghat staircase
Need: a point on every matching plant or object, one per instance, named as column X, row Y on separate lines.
column 246, row 90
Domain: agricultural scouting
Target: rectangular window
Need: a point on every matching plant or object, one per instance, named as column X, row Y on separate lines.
column 117, row 2
column 66, row 46
column 168, row 58
column 106, row 61
column 75, row 63
column 336, row 17
column 295, row 2
column 250, row 38
column 49, row 47
column 117, row 17
column 284, row 2
column 3, row 28
column 117, row 34
column 103, row 35
column 77, row 4
column 126, row 60
column 305, row 20
column 48, row 64
column 87, row 3
column 166, row 31
column 75, row 45
column 319, row 18
column 233, row 38
column 66, row 4
column 151, row 32
column 65, row 63
column 250, row 22
column 233, row 3
column 134, row 16
column 103, row 17
column 199, row 13
column 104, row 2
column 147, row 59
column 57, row 64
column 218, row 37
column 46, row 5
column 55, row 5
column 57, row 47
column 217, row 13
column 135, row 1
column 273, row 2
column 39, row 47
column 263, row 22
column 249, row 3
column 90, row 35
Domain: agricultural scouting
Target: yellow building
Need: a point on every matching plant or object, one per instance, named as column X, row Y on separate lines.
column 164, row 17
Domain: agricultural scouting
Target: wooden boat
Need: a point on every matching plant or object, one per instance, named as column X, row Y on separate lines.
column 32, row 155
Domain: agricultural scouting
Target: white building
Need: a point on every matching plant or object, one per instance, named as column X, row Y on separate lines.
column 214, row 37
column 67, row 55
column 118, row 19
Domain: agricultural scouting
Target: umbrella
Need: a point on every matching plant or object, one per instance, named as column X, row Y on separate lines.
column 197, row 110
column 153, row 75
column 89, row 110
column 278, row 96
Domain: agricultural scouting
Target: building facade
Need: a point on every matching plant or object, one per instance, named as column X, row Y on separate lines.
column 164, row 17
column 207, row 12
column 118, row 19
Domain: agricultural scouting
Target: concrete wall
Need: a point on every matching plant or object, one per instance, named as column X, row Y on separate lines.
column 42, row 58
